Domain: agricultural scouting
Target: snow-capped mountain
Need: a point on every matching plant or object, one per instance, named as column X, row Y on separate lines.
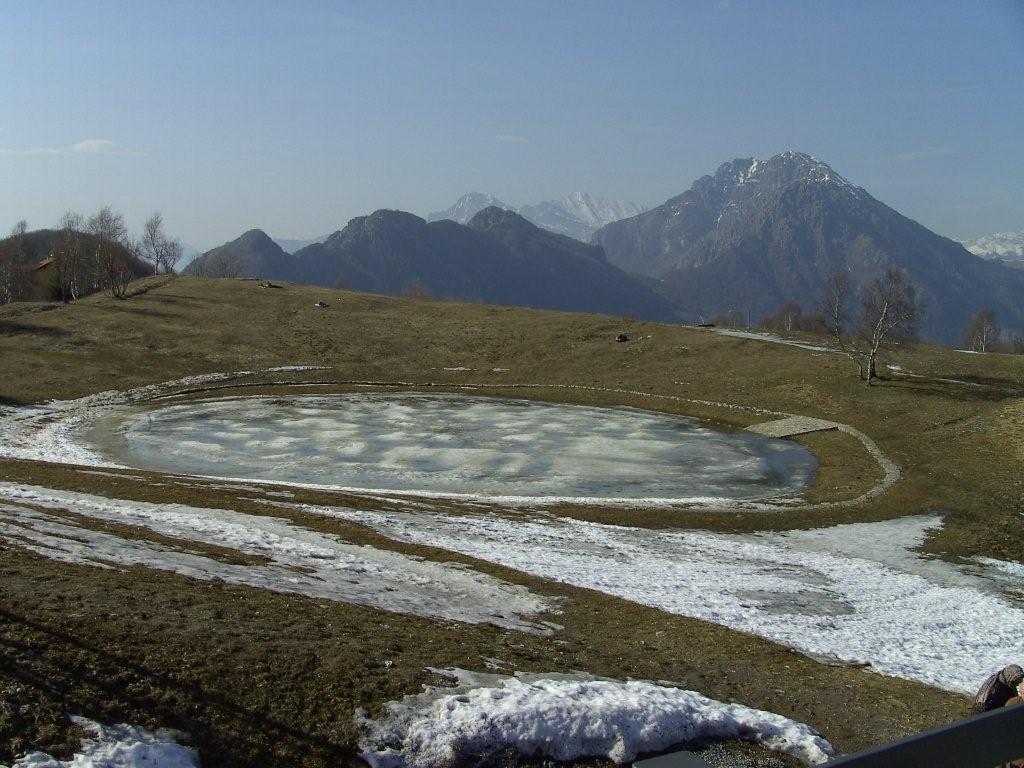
column 759, row 233
column 468, row 206
column 577, row 215
column 1008, row 246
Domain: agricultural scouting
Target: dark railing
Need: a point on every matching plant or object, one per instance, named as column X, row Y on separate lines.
column 981, row 741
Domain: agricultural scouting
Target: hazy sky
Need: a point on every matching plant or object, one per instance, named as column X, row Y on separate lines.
column 296, row 116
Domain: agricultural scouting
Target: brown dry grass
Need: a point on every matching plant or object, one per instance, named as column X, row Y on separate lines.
column 265, row 679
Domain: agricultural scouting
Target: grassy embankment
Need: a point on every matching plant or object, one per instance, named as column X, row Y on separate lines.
column 265, row 679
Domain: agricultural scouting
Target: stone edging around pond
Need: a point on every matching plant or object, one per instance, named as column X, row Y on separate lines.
column 891, row 471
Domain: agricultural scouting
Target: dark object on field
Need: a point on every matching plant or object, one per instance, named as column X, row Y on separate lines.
column 268, row 284
column 998, row 688
column 320, row 304
column 621, row 338
column 705, row 325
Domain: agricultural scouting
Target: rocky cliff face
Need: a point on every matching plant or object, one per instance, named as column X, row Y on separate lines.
column 758, row 234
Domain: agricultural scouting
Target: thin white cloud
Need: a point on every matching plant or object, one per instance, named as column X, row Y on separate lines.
column 84, row 147
column 33, row 151
column 921, row 154
column 510, row 138
column 94, row 146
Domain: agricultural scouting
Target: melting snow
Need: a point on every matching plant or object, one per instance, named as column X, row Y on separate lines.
column 44, row 433
column 856, row 593
column 771, row 338
column 566, row 718
column 301, row 561
column 119, row 746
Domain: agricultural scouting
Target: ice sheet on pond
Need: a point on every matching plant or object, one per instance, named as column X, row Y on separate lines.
column 44, row 432
column 854, row 593
column 566, row 717
column 455, row 445
column 299, row 560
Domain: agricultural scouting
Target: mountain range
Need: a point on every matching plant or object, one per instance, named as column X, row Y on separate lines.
column 498, row 257
column 1006, row 246
column 751, row 237
column 577, row 215
column 757, row 234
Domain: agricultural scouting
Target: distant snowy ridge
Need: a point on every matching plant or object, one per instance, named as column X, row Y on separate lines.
column 1008, row 246
column 120, row 746
column 564, row 718
column 468, row 206
column 577, row 215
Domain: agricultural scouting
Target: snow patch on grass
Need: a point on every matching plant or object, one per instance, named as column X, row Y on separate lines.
column 299, row 560
column 566, row 718
column 120, row 746
column 855, row 593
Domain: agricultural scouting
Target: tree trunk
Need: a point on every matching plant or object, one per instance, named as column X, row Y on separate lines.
column 871, row 368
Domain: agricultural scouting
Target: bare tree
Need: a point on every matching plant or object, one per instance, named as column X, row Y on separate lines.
column 171, row 255
column 731, row 319
column 157, row 248
column 112, row 255
column 69, row 258
column 982, row 331
column 15, row 281
column 889, row 312
column 417, row 290
column 1017, row 344
column 217, row 264
column 788, row 317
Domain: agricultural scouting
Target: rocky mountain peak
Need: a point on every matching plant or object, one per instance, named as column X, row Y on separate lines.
column 758, row 233
column 778, row 172
column 493, row 216
column 255, row 238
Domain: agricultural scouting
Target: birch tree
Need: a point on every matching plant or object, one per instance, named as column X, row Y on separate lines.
column 69, row 259
column 157, row 248
column 982, row 331
column 15, row 282
column 112, row 250
column 888, row 312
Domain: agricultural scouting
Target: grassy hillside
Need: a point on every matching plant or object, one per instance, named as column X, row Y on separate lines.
column 260, row 679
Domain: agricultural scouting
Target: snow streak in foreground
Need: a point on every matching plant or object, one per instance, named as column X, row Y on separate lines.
column 287, row 557
column 119, row 746
column 566, row 718
column 855, row 592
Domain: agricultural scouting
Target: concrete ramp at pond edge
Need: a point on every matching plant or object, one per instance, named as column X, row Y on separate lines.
column 793, row 425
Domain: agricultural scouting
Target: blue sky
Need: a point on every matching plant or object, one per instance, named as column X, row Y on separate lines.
column 296, row 116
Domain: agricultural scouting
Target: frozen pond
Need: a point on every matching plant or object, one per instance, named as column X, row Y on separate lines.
column 454, row 445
